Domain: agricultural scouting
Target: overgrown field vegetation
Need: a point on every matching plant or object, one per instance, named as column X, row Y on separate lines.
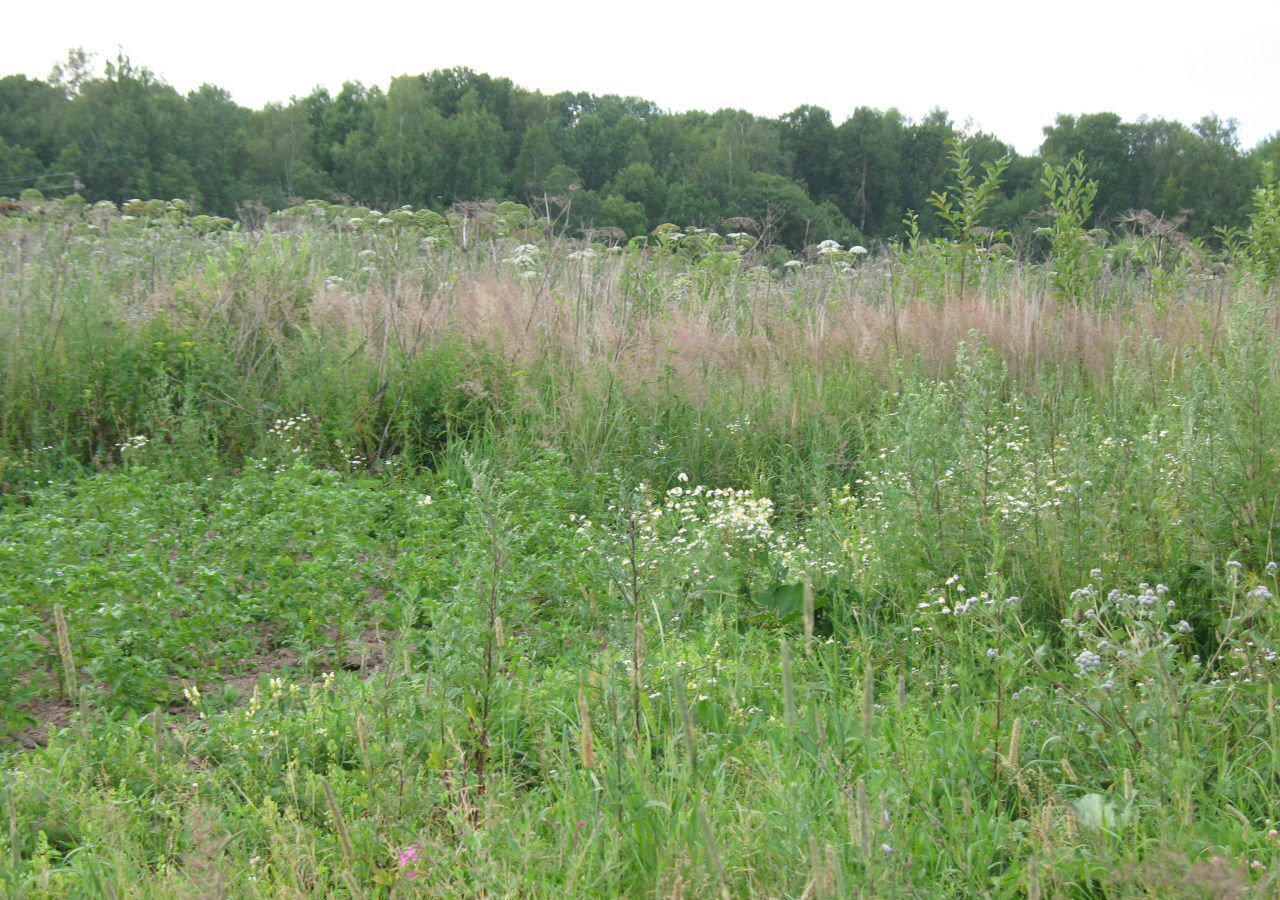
column 402, row 554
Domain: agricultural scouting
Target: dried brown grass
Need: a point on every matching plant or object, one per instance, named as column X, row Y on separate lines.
column 750, row 334
column 697, row 345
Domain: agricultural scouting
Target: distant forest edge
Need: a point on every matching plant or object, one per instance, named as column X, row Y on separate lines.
column 430, row 141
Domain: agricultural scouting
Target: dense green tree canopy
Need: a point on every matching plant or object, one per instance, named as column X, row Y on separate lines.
column 456, row 135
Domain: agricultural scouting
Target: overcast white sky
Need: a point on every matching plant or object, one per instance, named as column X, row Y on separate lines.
column 1006, row 68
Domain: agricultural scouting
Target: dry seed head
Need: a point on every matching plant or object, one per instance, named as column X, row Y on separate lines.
column 344, row 836
column 709, row 838
column 14, row 848
column 638, row 653
column 868, row 698
column 69, row 677
column 862, row 820
column 835, row 872
column 808, row 617
column 588, row 742
column 690, row 732
column 362, row 735
column 788, row 686
column 822, row 878
column 1014, row 740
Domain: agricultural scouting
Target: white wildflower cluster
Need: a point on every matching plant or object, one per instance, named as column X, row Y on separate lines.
column 524, row 257
column 1261, row 594
column 995, row 472
column 941, row 610
column 586, row 253
column 258, row 723
column 1125, row 638
column 1169, row 469
column 841, row 515
column 682, row 286
column 1247, row 656
column 843, row 262
column 693, row 532
column 292, row 432
column 1087, row 661
column 284, row 427
column 136, row 442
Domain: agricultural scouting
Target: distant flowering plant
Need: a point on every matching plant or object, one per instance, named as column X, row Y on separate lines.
column 694, row 535
column 408, row 856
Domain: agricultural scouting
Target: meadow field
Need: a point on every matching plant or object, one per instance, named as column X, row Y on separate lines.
column 361, row 553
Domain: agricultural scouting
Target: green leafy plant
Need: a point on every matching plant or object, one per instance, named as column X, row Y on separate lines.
column 962, row 207
column 1075, row 258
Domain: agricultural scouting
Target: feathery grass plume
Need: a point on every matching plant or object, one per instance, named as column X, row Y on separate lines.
column 499, row 636
column 709, row 840
column 70, row 680
column 788, row 686
column 814, row 886
column 1033, row 878
column 1240, row 817
column 902, row 693
column 690, row 733
column 339, row 823
column 638, row 648
column 822, row 880
column 637, row 672
column 1011, row 760
column 808, row 617
column 83, row 721
column 15, row 854
column 836, row 871
column 1068, row 772
column 868, row 698
column 587, row 738
column 157, row 734
column 1273, row 725
column 362, row 736
column 353, row 885
column 862, row 820
column 1127, row 781
column 203, row 861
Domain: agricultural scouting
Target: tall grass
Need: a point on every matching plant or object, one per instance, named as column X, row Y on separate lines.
column 655, row 571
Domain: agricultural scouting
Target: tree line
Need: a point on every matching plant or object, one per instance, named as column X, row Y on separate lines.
column 590, row 161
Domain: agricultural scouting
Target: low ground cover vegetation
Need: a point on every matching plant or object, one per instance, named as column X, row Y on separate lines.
column 400, row 554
